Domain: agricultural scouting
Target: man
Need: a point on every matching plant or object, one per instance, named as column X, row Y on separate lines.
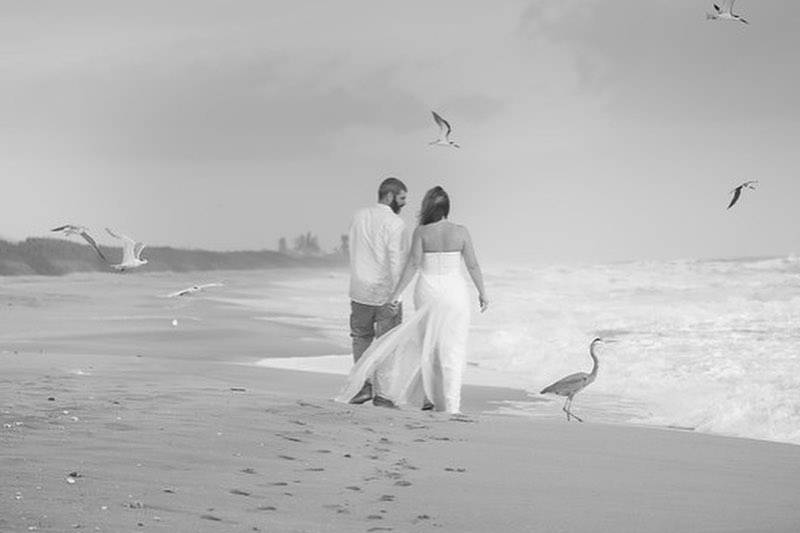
column 377, row 257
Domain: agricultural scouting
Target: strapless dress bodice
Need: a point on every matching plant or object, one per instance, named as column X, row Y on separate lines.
column 441, row 263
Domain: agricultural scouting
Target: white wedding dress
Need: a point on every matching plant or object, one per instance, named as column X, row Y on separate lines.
column 424, row 357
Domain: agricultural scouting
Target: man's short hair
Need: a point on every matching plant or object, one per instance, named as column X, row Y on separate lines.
column 391, row 185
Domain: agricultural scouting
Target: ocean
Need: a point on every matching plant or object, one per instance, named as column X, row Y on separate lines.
column 712, row 346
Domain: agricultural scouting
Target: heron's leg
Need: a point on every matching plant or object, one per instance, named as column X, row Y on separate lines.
column 576, row 417
column 566, row 409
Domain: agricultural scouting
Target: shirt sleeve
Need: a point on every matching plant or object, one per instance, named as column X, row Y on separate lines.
column 398, row 251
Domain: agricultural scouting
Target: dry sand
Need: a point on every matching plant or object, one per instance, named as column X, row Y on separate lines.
column 143, row 426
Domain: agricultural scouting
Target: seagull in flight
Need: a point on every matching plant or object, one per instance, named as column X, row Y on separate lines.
column 83, row 231
column 737, row 192
column 725, row 12
column 131, row 252
column 444, row 132
column 193, row 288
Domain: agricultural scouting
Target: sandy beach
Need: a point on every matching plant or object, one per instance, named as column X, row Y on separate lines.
column 141, row 425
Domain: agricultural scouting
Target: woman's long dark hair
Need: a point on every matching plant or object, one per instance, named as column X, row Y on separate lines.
column 435, row 206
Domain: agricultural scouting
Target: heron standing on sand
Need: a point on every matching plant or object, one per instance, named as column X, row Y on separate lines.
column 574, row 383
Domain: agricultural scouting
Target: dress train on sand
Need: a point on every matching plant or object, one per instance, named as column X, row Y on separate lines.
column 424, row 357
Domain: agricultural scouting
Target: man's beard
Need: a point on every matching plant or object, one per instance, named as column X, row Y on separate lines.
column 395, row 206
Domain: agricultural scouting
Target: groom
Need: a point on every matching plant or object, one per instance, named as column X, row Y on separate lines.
column 377, row 256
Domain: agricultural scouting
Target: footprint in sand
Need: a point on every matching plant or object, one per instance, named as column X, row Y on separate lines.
column 239, row 492
column 403, row 463
column 374, row 517
column 386, row 498
column 389, row 474
column 279, row 484
column 287, row 457
column 421, row 518
column 287, row 437
column 340, row 509
column 211, row 517
column 403, row 483
column 247, row 471
column 353, row 488
column 316, row 469
column 266, row 508
column 323, row 451
column 134, row 505
column 448, row 469
column 379, row 529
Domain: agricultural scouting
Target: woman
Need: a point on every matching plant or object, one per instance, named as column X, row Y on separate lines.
column 421, row 361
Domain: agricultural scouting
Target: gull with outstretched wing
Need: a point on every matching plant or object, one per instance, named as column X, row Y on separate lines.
column 444, row 132
column 737, row 191
column 83, row 231
column 725, row 12
column 131, row 252
column 193, row 288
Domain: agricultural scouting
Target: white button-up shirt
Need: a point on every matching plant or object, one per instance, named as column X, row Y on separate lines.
column 377, row 254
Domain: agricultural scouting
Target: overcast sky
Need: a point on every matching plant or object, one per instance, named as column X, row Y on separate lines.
column 591, row 131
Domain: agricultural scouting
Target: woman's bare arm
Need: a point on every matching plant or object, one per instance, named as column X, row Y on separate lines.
column 474, row 269
column 413, row 263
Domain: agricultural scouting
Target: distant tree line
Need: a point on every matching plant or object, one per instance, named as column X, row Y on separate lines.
column 307, row 245
column 60, row 256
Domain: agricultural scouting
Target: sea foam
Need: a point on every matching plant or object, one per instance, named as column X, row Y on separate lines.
column 711, row 345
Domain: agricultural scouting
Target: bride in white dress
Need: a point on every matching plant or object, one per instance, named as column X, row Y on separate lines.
column 421, row 361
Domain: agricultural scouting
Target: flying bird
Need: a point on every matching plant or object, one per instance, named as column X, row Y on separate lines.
column 131, row 252
column 725, row 12
column 444, row 132
column 83, row 231
column 193, row 288
column 737, row 192
column 574, row 383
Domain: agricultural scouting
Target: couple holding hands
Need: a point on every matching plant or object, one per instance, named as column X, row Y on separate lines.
column 419, row 361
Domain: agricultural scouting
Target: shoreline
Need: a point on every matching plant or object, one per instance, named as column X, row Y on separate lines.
column 141, row 330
